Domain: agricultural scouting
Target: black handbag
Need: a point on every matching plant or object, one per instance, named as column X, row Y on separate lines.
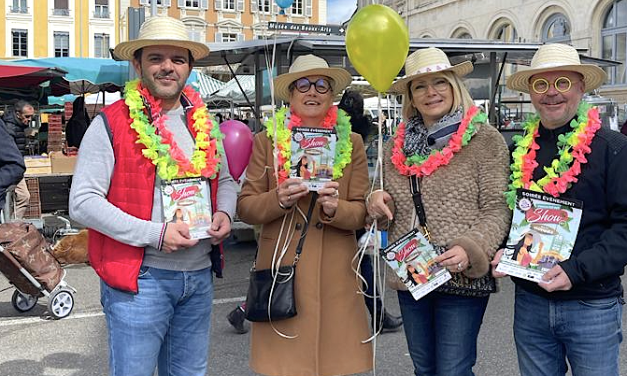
column 272, row 299
column 269, row 299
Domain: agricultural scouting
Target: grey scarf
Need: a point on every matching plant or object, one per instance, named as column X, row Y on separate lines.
column 420, row 141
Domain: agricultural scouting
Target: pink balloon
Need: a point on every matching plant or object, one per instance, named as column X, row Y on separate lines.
column 238, row 146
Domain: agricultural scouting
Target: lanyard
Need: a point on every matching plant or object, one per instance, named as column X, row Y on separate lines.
column 414, row 188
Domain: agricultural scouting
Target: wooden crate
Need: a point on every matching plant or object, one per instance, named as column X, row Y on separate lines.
column 34, row 205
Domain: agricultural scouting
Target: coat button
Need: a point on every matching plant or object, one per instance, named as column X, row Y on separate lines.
column 319, row 225
column 299, row 226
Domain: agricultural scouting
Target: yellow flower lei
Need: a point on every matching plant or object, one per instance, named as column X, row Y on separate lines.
column 161, row 149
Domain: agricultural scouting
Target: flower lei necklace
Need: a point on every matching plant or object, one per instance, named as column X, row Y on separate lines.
column 425, row 165
column 334, row 118
column 161, row 148
column 563, row 171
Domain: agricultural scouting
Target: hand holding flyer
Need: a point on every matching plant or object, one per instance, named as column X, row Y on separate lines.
column 313, row 153
column 543, row 233
column 411, row 257
column 188, row 201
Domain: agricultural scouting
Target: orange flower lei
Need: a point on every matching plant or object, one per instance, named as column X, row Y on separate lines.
column 161, row 148
column 563, row 171
column 425, row 165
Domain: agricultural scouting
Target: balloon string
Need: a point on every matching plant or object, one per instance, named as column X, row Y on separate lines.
column 380, row 142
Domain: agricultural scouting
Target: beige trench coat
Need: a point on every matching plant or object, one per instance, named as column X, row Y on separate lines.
column 332, row 321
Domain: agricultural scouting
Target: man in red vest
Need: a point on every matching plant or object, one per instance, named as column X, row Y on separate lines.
column 141, row 159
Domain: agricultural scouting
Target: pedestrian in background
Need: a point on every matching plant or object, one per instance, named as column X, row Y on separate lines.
column 16, row 121
column 353, row 104
column 11, row 164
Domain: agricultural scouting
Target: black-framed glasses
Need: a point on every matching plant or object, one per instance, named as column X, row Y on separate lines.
column 322, row 85
column 561, row 84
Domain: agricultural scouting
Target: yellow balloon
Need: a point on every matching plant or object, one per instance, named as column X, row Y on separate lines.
column 377, row 42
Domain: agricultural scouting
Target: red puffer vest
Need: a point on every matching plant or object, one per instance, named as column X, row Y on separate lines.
column 131, row 190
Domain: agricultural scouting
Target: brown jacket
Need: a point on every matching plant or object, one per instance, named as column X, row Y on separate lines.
column 464, row 205
column 331, row 320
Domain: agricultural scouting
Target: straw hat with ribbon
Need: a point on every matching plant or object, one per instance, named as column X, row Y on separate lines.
column 310, row 65
column 557, row 57
column 426, row 61
column 161, row 31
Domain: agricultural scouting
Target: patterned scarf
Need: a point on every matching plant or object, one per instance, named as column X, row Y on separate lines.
column 420, row 140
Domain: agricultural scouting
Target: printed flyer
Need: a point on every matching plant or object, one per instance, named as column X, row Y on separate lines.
column 313, row 152
column 543, row 233
column 188, row 201
column 411, row 257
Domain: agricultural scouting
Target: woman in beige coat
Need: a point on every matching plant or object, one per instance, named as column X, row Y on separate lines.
column 331, row 322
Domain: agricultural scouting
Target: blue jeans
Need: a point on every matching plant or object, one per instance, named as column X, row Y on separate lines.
column 441, row 332
column 166, row 323
column 587, row 332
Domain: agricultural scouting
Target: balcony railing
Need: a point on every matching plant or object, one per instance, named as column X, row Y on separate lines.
column 101, row 13
column 61, row 12
column 18, row 9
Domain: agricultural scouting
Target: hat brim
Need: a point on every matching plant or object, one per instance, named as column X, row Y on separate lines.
column 126, row 50
column 593, row 76
column 341, row 79
column 461, row 69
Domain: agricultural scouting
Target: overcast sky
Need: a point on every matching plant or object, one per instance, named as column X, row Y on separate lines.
column 339, row 11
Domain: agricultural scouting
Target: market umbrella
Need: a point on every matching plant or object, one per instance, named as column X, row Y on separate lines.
column 84, row 75
column 23, row 82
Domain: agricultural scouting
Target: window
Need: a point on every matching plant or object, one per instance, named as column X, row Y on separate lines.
column 297, row 7
column 229, row 4
column 506, row 33
column 19, row 6
column 614, row 41
column 102, row 9
column 556, row 29
column 101, row 45
column 61, row 44
column 160, row 3
column 61, row 8
column 20, row 42
column 229, row 37
column 192, row 3
column 263, row 6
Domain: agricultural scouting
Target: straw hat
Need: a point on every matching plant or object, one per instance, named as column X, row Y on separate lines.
column 426, row 61
column 557, row 57
column 310, row 65
column 161, row 31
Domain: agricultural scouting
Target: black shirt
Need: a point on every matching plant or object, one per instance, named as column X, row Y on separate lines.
column 600, row 252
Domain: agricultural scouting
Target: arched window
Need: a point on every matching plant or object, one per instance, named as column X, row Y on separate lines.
column 461, row 33
column 556, row 29
column 506, row 33
column 614, row 41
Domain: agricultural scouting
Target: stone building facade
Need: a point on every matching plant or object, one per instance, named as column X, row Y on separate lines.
column 600, row 26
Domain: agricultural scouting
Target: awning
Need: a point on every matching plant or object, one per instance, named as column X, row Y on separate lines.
column 204, row 84
column 18, row 76
column 231, row 92
column 84, row 75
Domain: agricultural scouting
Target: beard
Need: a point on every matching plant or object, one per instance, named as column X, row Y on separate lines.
column 167, row 93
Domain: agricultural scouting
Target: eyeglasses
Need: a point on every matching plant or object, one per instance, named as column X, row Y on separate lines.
column 322, row 85
column 439, row 84
column 561, row 84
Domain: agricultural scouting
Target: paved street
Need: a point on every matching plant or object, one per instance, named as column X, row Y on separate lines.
column 76, row 346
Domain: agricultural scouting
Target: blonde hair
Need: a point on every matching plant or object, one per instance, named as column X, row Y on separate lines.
column 461, row 96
